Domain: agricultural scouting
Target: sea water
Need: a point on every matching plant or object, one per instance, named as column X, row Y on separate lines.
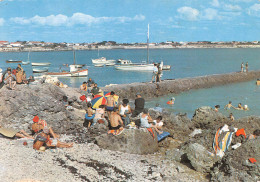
column 184, row 63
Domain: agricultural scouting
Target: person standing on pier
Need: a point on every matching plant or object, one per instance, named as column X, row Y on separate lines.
column 155, row 72
column 246, row 66
column 242, row 67
column 159, row 73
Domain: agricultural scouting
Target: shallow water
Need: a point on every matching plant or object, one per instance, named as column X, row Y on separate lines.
column 184, row 62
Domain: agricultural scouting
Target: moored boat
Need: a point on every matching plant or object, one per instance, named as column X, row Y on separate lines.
column 25, row 62
column 166, row 67
column 41, row 64
column 42, row 70
column 110, row 64
column 13, row 61
column 99, row 65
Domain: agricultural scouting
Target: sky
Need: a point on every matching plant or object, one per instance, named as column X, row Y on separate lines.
column 126, row 20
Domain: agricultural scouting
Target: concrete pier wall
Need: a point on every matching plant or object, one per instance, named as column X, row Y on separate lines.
column 150, row 90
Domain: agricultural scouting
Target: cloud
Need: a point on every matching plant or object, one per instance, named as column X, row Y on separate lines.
column 2, row 21
column 75, row 19
column 230, row 7
column 188, row 13
column 215, row 3
column 210, row 14
column 254, row 10
column 177, row 26
column 244, row 1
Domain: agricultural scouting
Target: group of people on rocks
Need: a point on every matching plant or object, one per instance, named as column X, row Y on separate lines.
column 117, row 117
column 157, row 72
column 11, row 77
column 244, row 68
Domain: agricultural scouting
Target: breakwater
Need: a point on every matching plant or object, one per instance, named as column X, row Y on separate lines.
column 175, row 86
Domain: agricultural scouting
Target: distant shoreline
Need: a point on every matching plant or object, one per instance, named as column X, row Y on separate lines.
column 40, row 49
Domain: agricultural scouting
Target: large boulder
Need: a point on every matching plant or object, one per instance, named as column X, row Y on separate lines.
column 18, row 107
column 133, row 141
column 198, row 157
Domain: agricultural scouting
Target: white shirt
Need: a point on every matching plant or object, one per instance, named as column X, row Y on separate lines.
column 155, row 69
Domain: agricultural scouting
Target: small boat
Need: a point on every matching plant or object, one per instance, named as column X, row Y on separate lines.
column 41, row 64
column 110, row 64
column 99, row 65
column 74, row 71
column 25, row 62
column 13, row 61
column 103, row 60
column 36, row 70
column 166, row 67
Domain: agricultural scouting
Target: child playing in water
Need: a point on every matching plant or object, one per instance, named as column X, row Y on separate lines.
column 231, row 117
column 171, row 102
column 229, row 105
column 217, row 108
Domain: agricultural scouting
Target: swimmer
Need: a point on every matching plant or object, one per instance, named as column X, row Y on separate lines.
column 245, row 108
column 217, row 108
column 171, row 102
column 231, row 117
column 239, row 107
column 229, row 105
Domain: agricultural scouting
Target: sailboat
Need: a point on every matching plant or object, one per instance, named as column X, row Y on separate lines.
column 28, row 61
column 102, row 60
column 138, row 66
column 75, row 71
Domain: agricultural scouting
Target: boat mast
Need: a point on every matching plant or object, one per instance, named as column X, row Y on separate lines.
column 74, row 57
column 97, row 52
column 29, row 56
column 148, row 45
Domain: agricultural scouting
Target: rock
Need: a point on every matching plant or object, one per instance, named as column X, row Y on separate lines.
column 133, row 141
column 198, row 157
column 174, row 154
column 180, row 169
column 195, row 132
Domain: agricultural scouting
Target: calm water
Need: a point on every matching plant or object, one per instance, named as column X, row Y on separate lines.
column 184, row 62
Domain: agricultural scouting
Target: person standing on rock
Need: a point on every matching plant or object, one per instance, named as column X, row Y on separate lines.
column 246, row 66
column 110, row 103
column 155, row 72
column 139, row 105
column 242, row 67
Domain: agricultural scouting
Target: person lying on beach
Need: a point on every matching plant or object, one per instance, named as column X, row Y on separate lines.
column 10, row 79
column 11, row 133
column 229, row 105
column 116, row 122
column 110, row 104
column 39, row 124
column 239, row 107
column 43, row 139
column 90, row 114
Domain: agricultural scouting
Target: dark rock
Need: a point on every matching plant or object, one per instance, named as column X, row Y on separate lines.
column 132, row 141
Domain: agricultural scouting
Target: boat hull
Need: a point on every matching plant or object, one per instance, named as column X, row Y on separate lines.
column 40, row 70
column 80, row 73
column 135, row 67
column 102, row 61
column 41, row 64
column 13, row 61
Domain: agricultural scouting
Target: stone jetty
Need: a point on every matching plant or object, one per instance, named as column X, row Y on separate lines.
column 175, row 86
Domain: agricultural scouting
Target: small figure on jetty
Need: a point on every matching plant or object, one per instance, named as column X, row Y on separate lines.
column 229, row 105
column 217, row 108
column 246, row 67
column 231, row 117
column 155, row 72
column 242, row 67
column 171, row 102
column 139, row 105
column 159, row 73
column 258, row 82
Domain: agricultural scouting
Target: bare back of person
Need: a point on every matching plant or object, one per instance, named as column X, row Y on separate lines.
column 90, row 112
column 111, row 101
column 115, row 120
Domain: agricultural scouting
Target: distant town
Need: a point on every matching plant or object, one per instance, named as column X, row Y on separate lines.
column 19, row 46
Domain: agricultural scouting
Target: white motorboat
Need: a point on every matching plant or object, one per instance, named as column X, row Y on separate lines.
column 42, row 70
column 74, row 71
column 25, row 62
column 99, row 65
column 110, row 64
column 102, row 60
column 166, row 67
column 124, row 61
column 41, row 64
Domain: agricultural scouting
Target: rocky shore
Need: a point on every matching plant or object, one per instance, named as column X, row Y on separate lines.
column 151, row 90
column 134, row 155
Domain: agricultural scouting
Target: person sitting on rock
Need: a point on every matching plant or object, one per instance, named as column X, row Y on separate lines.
column 43, row 138
column 95, row 90
column 100, row 116
column 147, row 121
column 11, row 133
column 159, row 124
column 124, row 111
column 84, row 87
column 19, row 74
column 231, row 117
column 116, row 122
column 139, row 105
column 39, row 124
column 90, row 114
column 10, row 79
column 255, row 135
